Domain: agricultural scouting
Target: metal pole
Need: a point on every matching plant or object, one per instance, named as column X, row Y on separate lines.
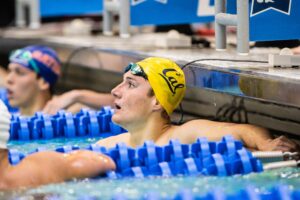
column 243, row 27
column 107, row 18
column 35, row 18
column 124, row 18
column 20, row 14
column 220, row 28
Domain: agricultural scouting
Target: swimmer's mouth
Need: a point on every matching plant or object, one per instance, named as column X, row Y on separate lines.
column 117, row 107
column 9, row 93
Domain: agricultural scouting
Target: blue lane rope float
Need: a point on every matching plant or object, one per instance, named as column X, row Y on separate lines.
column 85, row 123
column 170, row 160
column 224, row 158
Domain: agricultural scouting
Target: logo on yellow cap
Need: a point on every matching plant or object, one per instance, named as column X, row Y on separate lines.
column 171, row 80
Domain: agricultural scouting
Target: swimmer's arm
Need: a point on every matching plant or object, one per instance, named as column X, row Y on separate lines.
column 253, row 137
column 52, row 167
column 258, row 138
column 84, row 97
column 91, row 98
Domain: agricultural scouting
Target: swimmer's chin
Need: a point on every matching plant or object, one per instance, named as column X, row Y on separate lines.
column 115, row 120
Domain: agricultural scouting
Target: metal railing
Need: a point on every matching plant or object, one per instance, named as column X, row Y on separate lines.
column 240, row 20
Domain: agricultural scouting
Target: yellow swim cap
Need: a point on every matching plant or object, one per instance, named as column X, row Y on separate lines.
column 167, row 81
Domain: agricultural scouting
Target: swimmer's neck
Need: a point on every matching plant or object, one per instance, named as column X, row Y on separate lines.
column 35, row 105
column 152, row 129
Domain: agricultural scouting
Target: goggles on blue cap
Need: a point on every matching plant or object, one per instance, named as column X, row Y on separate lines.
column 40, row 59
column 24, row 58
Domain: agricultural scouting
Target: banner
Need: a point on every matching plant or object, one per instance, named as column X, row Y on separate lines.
column 274, row 20
column 52, row 8
column 159, row 12
column 269, row 19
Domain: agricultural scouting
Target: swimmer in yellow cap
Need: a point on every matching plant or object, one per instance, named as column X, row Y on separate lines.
column 151, row 90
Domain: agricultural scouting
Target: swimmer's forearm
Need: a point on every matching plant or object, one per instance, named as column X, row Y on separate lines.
column 59, row 167
column 252, row 136
column 92, row 99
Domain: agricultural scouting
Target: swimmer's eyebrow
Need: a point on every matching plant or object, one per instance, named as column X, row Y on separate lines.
column 130, row 78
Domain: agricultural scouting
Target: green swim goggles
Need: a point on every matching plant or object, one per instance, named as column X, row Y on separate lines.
column 137, row 70
column 24, row 57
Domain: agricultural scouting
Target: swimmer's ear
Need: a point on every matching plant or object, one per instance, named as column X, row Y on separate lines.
column 43, row 85
column 156, row 106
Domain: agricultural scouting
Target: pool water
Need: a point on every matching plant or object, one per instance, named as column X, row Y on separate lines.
column 27, row 147
column 137, row 188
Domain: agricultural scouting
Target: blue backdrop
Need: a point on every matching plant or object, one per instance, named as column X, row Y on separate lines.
column 171, row 11
column 51, row 8
column 269, row 19
column 274, row 20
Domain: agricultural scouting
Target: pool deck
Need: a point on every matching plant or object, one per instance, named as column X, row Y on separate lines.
column 141, row 47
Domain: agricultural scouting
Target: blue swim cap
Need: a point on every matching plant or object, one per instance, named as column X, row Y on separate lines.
column 41, row 59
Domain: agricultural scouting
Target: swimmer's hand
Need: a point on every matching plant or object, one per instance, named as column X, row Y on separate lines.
column 60, row 102
column 281, row 143
column 4, row 125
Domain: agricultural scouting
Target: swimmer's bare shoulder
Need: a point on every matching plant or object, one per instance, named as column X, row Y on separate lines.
column 113, row 140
